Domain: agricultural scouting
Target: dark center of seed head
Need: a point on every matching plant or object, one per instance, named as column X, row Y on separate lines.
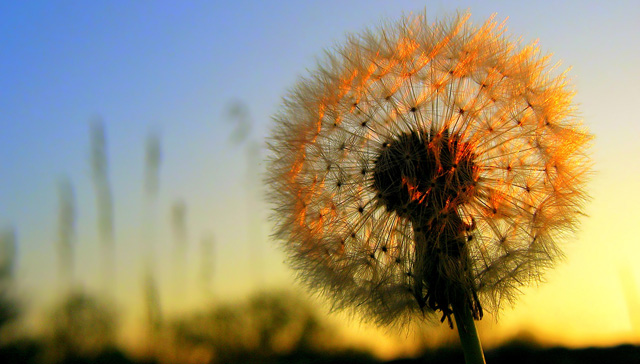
column 420, row 175
column 424, row 177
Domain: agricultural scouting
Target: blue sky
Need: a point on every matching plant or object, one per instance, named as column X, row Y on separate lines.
column 175, row 67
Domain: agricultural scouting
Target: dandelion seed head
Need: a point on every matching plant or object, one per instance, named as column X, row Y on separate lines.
column 424, row 166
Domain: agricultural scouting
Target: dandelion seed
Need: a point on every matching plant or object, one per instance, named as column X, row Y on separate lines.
column 427, row 170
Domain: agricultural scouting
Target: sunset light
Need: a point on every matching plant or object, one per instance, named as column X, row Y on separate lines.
column 249, row 181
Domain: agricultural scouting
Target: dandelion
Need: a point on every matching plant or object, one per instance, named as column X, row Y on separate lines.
column 427, row 170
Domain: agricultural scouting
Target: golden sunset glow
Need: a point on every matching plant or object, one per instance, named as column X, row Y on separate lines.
column 136, row 139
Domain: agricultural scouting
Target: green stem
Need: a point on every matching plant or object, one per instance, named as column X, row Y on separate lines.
column 468, row 336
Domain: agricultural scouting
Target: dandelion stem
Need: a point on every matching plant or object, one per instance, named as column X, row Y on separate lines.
column 468, row 336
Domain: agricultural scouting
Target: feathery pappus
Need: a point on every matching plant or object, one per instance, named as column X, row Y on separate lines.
column 427, row 166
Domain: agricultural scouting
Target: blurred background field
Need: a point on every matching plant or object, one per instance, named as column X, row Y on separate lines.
column 132, row 221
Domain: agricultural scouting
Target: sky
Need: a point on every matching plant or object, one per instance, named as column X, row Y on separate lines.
column 177, row 68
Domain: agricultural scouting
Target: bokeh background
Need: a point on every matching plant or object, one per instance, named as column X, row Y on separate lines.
column 131, row 192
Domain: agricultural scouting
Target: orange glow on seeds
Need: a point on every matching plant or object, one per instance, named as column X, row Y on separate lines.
column 414, row 194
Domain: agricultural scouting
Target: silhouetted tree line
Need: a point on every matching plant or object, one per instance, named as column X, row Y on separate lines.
column 530, row 353
column 267, row 327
